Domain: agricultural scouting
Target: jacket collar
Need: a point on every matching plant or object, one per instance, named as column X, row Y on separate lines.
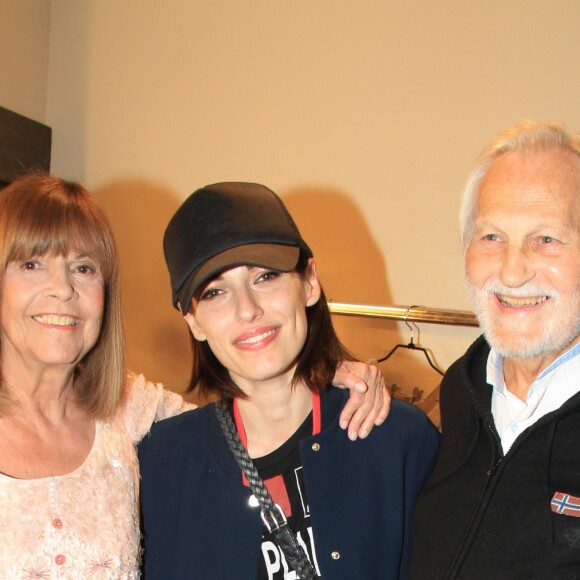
column 332, row 400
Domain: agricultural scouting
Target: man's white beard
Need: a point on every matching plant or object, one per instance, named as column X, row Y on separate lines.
column 562, row 328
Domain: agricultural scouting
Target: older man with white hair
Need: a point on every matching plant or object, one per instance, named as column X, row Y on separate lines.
column 504, row 498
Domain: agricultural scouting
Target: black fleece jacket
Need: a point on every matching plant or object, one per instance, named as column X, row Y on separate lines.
column 483, row 515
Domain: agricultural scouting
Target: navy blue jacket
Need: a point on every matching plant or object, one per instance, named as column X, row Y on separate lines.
column 197, row 522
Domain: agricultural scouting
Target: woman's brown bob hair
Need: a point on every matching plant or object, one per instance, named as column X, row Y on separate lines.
column 317, row 360
column 41, row 214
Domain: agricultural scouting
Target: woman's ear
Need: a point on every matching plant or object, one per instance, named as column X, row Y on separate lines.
column 194, row 327
column 312, row 284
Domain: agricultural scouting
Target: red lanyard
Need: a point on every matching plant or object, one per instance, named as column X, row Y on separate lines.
column 316, row 424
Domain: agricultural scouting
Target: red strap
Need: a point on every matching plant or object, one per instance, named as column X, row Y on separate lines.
column 316, row 424
column 316, row 414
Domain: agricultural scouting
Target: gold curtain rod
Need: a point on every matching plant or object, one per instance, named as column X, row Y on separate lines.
column 410, row 313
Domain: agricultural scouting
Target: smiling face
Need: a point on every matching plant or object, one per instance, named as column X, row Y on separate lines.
column 51, row 309
column 523, row 261
column 254, row 321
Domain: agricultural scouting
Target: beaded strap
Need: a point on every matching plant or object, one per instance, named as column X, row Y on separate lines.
column 285, row 537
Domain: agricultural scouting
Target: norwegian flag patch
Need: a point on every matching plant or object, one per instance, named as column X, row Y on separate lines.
column 564, row 503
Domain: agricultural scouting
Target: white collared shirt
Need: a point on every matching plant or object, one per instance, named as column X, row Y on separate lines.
column 551, row 389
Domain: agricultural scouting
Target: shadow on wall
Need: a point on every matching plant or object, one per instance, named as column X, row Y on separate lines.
column 352, row 269
column 157, row 337
column 344, row 248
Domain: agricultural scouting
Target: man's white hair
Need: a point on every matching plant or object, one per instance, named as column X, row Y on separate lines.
column 523, row 135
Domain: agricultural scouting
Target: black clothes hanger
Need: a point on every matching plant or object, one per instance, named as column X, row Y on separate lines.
column 412, row 346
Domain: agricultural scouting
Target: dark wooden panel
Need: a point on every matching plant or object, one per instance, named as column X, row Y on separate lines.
column 24, row 145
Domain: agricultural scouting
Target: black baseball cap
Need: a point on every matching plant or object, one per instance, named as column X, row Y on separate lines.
column 224, row 225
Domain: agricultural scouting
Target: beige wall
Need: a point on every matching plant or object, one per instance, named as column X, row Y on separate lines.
column 24, row 44
column 365, row 116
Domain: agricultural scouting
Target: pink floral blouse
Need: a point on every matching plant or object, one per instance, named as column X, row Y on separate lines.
column 84, row 524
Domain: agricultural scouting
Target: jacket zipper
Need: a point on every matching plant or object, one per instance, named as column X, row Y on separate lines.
column 497, row 459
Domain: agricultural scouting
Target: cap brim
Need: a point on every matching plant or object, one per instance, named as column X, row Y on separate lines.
column 279, row 257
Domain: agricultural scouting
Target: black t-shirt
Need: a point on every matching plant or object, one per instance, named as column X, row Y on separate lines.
column 282, row 474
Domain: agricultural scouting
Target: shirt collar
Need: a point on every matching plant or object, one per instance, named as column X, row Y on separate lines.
column 494, row 368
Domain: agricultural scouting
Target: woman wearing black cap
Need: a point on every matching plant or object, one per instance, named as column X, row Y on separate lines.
column 264, row 483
